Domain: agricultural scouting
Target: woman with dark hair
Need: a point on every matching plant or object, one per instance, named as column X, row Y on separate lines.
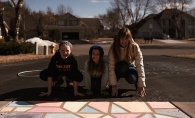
column 96, row 71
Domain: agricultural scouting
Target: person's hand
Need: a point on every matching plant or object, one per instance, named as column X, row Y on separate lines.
column 141, row 91
column 114, row 91
column 89, row 92
column 78, row 94
column 45, row 94
column 103, row 92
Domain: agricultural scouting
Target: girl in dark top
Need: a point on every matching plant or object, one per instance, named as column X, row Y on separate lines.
column 63, row 63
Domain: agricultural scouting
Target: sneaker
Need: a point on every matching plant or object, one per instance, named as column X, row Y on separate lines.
column 59, row 82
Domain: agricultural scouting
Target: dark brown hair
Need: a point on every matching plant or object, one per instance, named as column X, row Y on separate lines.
column 92, row 66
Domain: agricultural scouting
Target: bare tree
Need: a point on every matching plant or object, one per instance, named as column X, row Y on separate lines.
column 25, row 20
column 18, row 10
column 116, row 4
column 111, row 20
column 132, row 11
column 174, row 11
column 50, row 16
column 61, row 10
column 192, row 12
column 2, row 26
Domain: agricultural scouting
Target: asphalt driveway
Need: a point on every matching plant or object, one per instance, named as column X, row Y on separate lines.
column 167, row 78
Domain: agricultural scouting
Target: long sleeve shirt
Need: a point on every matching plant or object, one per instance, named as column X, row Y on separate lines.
column 138, row 63
column 87, row 77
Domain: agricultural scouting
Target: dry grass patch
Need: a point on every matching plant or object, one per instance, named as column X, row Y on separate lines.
column 22, row 57
column 187, row 56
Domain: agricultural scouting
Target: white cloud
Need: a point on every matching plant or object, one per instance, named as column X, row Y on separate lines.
column 169, row 6
column 96, row 1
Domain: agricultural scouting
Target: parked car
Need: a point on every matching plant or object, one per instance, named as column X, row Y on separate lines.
column 163, row 36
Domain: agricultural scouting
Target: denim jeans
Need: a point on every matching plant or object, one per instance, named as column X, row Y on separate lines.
column 123, row 70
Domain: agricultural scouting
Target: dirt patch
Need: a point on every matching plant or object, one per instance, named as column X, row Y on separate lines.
column 22, row 57
column 187, row 56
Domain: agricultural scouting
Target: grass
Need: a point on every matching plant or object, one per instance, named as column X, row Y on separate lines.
column 186, row 56
column 22, row 57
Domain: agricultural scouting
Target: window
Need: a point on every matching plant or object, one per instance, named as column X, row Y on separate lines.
column 192, row 32
column 150, row 24
column 182, row 23
column 164, row 22
column 73, row 22
column 169, row 22
column 61, row 22
column 65, row 23
column 192, row 22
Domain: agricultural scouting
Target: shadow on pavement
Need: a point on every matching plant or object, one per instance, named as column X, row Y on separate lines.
column 59, row 94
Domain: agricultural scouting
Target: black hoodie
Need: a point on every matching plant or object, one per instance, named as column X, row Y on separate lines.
column 60, row 66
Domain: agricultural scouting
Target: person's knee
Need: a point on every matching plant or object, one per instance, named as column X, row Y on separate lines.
column 43, row 75
column 132, row 76
column 121, row 68
column 78, row 76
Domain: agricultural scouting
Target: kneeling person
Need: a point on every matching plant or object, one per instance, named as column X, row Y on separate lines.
column 63, row 63
column 96, row 72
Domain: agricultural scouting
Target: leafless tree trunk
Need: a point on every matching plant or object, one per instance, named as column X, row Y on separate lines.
column 111, row 20
column 18, row 11
column 136, row 10
column 3, row 29
column 122, row 12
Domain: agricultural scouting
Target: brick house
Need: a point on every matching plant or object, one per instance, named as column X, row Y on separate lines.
column 154, row 24
column 73, row 28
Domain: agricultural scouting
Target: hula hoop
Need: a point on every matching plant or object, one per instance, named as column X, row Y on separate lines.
column 30, row 71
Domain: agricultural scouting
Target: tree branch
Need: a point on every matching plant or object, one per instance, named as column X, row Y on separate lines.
column 14, row 2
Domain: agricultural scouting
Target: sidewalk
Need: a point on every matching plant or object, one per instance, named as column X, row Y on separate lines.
column 41, row 109
column 170, row 41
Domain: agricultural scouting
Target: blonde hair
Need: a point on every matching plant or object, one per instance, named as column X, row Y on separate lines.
column 124, row 33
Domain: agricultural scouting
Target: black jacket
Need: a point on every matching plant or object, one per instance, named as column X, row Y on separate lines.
column 60, row 66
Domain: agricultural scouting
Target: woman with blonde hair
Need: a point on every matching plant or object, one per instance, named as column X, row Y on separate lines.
column 125, row 60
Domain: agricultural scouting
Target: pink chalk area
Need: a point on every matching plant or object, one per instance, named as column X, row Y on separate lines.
column 125, row 115
column 102, row 106
column 46, row 109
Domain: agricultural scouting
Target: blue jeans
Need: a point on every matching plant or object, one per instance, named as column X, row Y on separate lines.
column 123, row 70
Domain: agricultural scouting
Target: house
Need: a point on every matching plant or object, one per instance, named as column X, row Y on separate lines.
column 165, row 22
column 73, row 28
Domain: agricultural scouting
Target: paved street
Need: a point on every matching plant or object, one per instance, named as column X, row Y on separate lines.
column 168, row 79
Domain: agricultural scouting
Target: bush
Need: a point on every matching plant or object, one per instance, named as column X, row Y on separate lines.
column 13, row 48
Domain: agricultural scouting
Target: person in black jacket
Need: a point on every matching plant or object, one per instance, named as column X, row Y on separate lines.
column 63, row 63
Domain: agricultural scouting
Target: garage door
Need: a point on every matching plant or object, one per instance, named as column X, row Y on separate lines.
column 70, row 35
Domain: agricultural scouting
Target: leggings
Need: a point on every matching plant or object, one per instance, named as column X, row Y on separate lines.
column 123, row 70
